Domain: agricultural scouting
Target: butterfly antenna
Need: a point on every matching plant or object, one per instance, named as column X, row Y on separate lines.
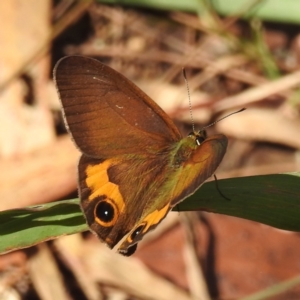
column 189, row 96
column 235, row 112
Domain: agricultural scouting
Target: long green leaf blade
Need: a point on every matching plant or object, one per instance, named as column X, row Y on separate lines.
column 270, row 199
column 21, row 228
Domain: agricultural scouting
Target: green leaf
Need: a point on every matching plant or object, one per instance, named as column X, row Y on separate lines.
column 269, row 199
column 21, row 228
column 270, row 10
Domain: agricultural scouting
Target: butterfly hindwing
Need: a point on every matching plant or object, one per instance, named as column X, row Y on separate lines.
column 114, row 197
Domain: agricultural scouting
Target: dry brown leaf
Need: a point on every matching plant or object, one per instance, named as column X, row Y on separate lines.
column 45, row 175
column 72, row 251
column 130, row 275
column 46, row 276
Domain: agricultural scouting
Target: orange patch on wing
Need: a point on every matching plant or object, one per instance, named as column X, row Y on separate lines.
column 155, row 217
column 98, row 182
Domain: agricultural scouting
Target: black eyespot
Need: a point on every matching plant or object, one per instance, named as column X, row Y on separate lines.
column 130, row 250
column 105, row 211
column 137, row 231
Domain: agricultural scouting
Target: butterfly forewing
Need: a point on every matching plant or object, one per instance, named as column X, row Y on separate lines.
column 106, row 113
column 200, row 166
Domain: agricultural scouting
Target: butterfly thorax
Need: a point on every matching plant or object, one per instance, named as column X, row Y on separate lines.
column 185, row 147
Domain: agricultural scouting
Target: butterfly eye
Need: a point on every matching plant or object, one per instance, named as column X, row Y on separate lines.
column 199, row 140
column 106, row 212
column 199, row 137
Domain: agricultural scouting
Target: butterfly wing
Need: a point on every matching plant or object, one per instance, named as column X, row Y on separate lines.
column 180, row 181
column 115, row 193
column 107, row 114
column 202, row 164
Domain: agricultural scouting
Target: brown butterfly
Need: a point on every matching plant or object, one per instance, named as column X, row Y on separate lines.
column 135, row 165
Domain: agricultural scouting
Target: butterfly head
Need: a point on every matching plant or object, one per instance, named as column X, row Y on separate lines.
column 198, row 136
